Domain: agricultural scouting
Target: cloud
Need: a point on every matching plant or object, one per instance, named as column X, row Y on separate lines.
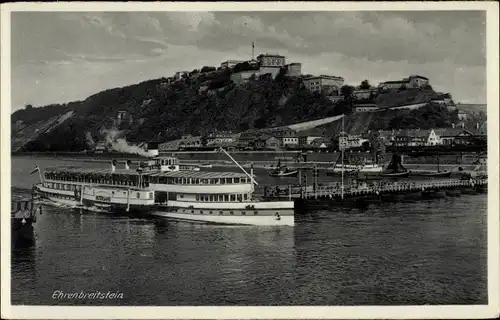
column 63, row 56
column 394, row 37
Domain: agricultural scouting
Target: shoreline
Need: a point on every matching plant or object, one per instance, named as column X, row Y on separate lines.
column 267, row 164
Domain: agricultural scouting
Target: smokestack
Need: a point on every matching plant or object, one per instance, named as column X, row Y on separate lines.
column 453, row 125
column 127, row 165
column 113, row 166
column 477, row 125
column 463, row 125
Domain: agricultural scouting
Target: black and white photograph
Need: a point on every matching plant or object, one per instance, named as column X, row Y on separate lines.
column 214, row 155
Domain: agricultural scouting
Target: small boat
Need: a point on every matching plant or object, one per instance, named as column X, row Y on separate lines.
column 395, row 169
column 284, row 172
column 438, row 173
column 403, row 174
column 205, row 165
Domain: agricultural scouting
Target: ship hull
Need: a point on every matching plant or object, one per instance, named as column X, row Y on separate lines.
column 396, row 175
column 436, row 174
column 285, row 174
column 270, row 220
column 259, row 213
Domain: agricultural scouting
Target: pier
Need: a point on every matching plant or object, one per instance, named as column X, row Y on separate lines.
column 308, row 196
column 22, row 216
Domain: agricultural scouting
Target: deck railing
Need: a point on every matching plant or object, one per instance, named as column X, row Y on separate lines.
column 374, row 189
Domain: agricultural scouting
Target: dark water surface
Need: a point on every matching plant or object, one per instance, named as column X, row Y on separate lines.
column 431, row 252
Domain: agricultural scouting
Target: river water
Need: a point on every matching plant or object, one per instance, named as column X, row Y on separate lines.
column 430, row 252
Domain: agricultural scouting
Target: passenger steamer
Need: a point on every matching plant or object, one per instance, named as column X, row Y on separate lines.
column 161, row 189
column 112, row 190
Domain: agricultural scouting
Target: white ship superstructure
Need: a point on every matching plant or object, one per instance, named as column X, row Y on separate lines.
column 216, row 197
column 114, row 190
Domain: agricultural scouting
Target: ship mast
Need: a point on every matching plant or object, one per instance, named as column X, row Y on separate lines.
column 235, row 162
column 342, row 157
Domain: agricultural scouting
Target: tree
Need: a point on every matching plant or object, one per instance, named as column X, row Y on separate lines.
column 402, row 88
column 347, row 92
column 207, row 69
column 203, row 140
column 365, row 84
column 28, row 107
column 281, row 75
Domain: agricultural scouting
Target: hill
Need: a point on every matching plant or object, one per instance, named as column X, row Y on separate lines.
column 156, row 110
column 406, row 97
column 164, row 110
column 430, row 116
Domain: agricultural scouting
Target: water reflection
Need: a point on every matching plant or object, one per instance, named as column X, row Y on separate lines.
column 24, row 274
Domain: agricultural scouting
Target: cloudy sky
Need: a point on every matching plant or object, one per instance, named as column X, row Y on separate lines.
column 65, row 56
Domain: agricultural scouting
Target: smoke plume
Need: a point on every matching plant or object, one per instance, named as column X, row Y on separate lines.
column 89, row 140
column 120, row 144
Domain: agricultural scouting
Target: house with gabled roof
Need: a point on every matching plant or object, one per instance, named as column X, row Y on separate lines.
column 416, row 137
column 453, row 136
column 266, row 142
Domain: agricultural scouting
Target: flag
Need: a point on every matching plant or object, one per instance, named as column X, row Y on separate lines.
column 36, row 169
column 253, row 45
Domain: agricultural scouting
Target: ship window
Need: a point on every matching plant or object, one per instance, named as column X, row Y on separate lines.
column 239, row 197
column 201, row 211
column 236, row 180
column 211, row 198
column 112, row 192
column 150, row 195
column 138, row 195
column 226, row 197
column 181, row 196
column 231, row 212
column 197, row 198
column 220, row 212
column 233, row 197
column 222, row 181
column 192, row 211
column 245, row 196
column 243, row 213
column 256, row 212
column 210, row 212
